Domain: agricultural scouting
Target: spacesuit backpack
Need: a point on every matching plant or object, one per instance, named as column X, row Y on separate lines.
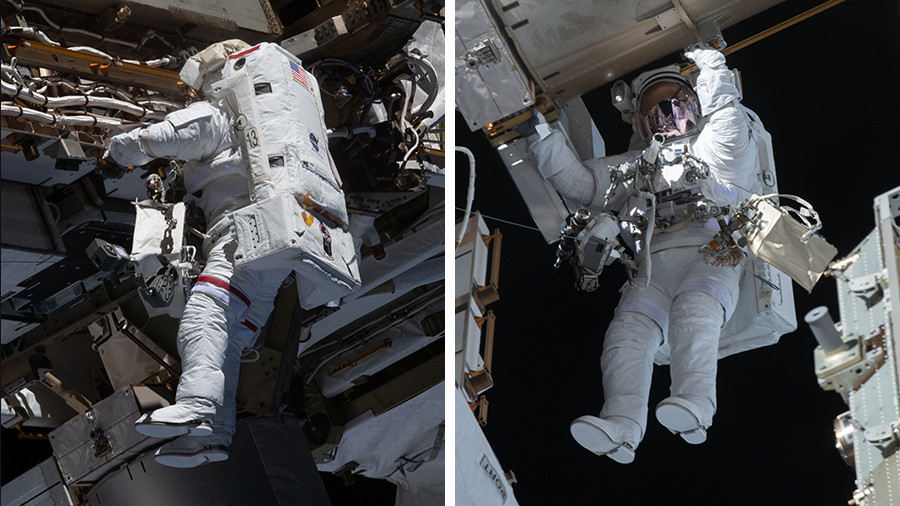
column 298, row 216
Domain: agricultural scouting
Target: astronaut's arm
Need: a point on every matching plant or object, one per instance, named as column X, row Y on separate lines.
column 719, row 101
column 193, row 133
column 726, row 139
column 580, row 182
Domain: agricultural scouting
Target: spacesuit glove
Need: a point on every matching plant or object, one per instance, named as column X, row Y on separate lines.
column 706, row 58
column 125, row 149
column 109, row 168
column 535, row 128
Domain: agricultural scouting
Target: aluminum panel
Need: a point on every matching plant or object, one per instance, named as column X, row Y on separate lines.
column 490, row 88
column 547, row 208
column 582, row 131
column 573, row 46
column 225, row 14
column 39, row 486
column 883, row 485
column 471, row 257
column 876, row 404
column 25, row 487
column 79, row 444
column 269, row 463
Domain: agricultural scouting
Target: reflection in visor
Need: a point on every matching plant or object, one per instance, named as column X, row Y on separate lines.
column 672, row 118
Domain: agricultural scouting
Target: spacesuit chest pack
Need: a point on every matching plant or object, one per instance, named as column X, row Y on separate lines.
column 685, row 183
column 298, row 215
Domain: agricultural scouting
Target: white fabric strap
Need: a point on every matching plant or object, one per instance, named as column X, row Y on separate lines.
column 144, row 139
column 241, row 99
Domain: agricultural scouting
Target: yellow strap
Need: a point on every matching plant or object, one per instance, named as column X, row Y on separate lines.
column 771, row 31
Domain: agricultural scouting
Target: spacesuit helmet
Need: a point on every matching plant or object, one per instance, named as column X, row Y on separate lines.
column 200, row 68
column 666, row 104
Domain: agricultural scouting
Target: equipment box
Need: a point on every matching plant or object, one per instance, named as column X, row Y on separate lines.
column 102, row 438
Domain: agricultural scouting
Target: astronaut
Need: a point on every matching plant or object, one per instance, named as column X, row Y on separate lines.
column 257, row 164
column 684, row 301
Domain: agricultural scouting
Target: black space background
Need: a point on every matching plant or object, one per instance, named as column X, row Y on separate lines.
column 827, row 91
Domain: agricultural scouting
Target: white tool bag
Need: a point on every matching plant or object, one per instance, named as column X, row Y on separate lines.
column 158, row 228
column 160, row 258
column 790, row 244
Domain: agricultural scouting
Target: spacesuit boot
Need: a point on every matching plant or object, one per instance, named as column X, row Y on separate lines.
column 680, row 416
column 614, row 437
column 191, row 415
column 192, row 451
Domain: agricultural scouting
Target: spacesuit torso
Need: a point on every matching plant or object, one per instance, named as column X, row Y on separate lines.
column 279, row 135
column 733, row 176
column 728, row 143
column 257, row 164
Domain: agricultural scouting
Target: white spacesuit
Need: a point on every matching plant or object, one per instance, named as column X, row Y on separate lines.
column 258, row 166
column 683, row 300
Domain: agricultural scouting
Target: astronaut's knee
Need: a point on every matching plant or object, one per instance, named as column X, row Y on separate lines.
column 631, row 330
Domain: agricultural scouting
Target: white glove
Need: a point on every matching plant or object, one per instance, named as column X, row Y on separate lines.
column 536, row 128
column 542, row 128
column 125, row 149
column 706, row 58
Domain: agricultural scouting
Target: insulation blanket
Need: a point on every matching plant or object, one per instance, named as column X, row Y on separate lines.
column 479, row 477
column 410, row 430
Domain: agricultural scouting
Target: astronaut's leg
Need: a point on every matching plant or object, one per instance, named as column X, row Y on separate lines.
column 627, row 364
column 215, row 305
column 696, row 321
column 242, row 336
column 202, row 340
column 191, row 451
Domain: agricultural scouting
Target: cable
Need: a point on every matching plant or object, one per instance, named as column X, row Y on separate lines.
column 76, row 30
column 503, row 221
column 77, row 100
column 410, row 151
column 41, row 12
column 771, row 31
column 159, row 62
column 432, row 76
column 151, row 34
column 9, row 109
column 470, row 195
column 31, row 32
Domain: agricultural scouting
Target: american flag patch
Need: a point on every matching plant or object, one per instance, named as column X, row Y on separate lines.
column 299, row 75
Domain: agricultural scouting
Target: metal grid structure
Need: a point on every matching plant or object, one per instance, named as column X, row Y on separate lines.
column 875, row 404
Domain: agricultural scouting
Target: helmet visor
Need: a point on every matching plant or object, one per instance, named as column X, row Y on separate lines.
column 667, row 108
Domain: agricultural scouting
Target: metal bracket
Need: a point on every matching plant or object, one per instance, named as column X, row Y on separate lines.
column 868, row 288
column 483, row 54
column 883, row 436
column 849, row 367
column 103, row 445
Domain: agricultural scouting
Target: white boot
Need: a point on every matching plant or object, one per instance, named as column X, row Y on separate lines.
column 605, row 437
column 683, row 417
column 191, row 415
column 191, row 451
